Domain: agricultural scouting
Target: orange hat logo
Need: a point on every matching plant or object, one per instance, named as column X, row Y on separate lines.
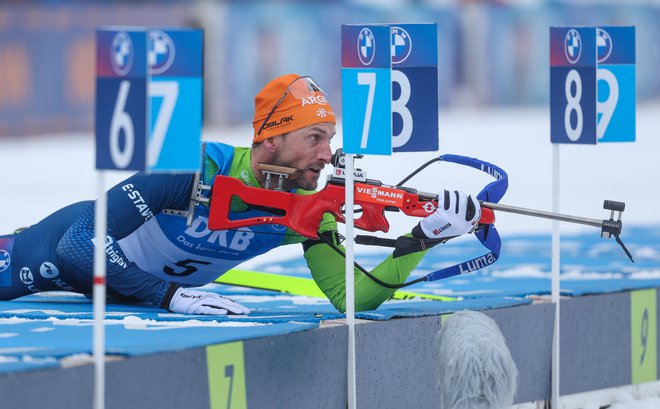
column 289, row 103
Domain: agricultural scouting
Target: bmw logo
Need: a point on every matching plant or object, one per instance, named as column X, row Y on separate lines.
column 5, row 260
column 121, row 53
column 401, row 45
column 366, row 46
column 603, row 45
column 573, row 46
column 160, row 54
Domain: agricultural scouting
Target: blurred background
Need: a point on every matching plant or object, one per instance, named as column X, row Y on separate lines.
column 491, row 53
column 493, row 92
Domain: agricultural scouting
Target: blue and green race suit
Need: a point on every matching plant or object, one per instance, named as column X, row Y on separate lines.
column 150, row 252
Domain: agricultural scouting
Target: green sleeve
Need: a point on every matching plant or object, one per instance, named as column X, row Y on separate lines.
column 328, row 266
column 328, row 223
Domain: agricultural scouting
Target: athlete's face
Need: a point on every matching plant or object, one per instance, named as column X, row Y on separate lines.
column 307, row 149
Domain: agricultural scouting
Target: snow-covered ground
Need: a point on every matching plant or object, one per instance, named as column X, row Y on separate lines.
column 643, row 396
column 43, row 173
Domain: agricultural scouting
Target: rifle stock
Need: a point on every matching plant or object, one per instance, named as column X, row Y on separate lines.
column 303, row 213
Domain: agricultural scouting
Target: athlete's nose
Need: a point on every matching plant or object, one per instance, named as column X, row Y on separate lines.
column 325, row 153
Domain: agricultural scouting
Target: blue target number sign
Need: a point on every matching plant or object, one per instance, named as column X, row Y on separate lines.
column 149, row 99
column 414, row 50
column 121, row 99
column 572, row 85
column 390, row 88
column 616, row 84
column 592, row 84
column 366, row 89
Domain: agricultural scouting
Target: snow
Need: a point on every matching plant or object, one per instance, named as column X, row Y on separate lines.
column 628, row 402
column 642, row 396
column 41, row 174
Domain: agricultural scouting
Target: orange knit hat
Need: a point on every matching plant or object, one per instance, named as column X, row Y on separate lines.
column 288, row 103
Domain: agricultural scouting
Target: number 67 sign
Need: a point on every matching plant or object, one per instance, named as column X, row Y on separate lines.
column 148, row 99
column 592, row 84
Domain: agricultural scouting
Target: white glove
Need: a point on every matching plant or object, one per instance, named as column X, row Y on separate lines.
column 456, row 214
column 189, row 301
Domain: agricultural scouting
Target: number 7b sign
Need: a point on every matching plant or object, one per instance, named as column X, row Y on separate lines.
column 148, row 99
column 389, row 88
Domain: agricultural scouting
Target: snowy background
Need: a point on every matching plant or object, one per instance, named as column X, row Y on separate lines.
column 46, row 84
column 40, row 174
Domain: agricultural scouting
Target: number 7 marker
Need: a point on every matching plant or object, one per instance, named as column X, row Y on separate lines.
column 366, row 89
column 368, row 79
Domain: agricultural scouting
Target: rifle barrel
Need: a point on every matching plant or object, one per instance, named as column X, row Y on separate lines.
column 543, row 214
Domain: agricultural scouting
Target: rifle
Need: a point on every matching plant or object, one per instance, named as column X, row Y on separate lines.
column 303, row 213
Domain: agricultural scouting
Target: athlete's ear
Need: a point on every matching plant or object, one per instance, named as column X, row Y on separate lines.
column 273, row 143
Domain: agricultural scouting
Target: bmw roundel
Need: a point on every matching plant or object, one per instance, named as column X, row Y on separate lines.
column 573, row 46
column 366, row 46
column 160, row 53
column 5, row 260
column 121, row 53
column 401, row 45
column 603, row 45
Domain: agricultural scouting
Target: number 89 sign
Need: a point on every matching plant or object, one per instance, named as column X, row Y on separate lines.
column 572, row 85
column 592, row 84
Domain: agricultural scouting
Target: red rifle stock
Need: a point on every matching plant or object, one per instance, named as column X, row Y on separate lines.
column 303, row 213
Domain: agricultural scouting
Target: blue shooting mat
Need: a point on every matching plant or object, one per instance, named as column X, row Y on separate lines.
column 25, row 363
column 279, row 303
column 407, row 309
column 130, row 336
column 38, row 330
column 267, row 307
column 589, row 265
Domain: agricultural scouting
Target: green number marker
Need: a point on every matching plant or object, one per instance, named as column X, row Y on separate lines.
column 226, row 376
column 643, row 336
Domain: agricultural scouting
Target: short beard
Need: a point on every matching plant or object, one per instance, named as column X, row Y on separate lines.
column 299, row 182
column 307, row 185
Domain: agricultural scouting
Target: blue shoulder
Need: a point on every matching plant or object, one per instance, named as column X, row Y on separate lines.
column 221, row 154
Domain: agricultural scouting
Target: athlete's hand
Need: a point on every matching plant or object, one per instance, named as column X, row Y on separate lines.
column 189, row 301
column 457, row 214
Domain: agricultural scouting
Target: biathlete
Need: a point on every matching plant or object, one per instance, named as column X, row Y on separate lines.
column 155, row 256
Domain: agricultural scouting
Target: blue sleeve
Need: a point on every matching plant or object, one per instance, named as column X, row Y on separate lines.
column 137, row 199
column 131, row 203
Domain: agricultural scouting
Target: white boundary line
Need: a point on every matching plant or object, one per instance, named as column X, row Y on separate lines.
column 100, row 231
column 554, row 397
column 350, row 282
